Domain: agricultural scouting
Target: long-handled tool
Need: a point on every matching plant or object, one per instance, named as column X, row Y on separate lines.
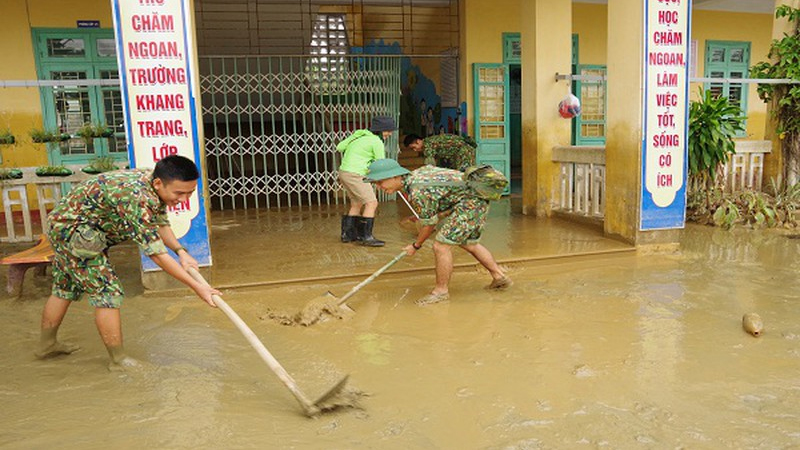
column 356, row 288
column 328, row 303
column 310, row 409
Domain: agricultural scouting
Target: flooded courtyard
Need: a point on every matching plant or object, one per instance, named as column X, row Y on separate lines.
column 594, row 346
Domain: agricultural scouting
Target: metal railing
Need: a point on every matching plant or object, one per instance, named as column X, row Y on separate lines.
column 272, row 123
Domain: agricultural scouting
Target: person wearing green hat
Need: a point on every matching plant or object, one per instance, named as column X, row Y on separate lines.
column 431, row 191
column 359, row 150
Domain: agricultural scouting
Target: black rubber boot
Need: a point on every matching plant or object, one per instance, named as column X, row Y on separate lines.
column 365, row 225
column 349, row 230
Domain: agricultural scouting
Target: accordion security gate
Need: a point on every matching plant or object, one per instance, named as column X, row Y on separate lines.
column 272, row 123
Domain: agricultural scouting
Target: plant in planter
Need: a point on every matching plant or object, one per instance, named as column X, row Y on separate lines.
column 6, row 138
column 86, row 132
column 89, row 132
column 10, row 174
column 713, row 123
column 53, row 171
column 100, row 165
column 102, row 131
column 42, row 136
column 784, row 99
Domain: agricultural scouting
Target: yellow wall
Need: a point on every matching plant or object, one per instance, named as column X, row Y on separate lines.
column 590, row 23
column 20, row 108
column 485, row 22
column 753, row 28
column 482, row 26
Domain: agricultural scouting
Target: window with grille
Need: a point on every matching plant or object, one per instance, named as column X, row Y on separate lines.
column 726, row 59
column 512, row 48
column 326, row 67
column 589, row 128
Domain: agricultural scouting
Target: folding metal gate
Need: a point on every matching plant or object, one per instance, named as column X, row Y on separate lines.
column 272, row 123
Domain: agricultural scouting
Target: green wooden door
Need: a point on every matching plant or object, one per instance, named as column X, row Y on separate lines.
column 80, row 55
column 491, row 89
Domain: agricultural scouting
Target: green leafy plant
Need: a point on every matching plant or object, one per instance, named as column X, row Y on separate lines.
column 777, row 206
column 42, row 136
column 10, row 174
column 100, row 165
column 713, row 123
column 6, row 138
column 53, row 171
column 784, row 55
column 89, row 132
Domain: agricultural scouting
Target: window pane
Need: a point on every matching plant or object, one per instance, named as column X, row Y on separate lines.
column 737, row 55
column 114, row 115
column 492, row 103
column 716, row 55
column 72, row 111
column 106, row 48
column 487, row 75
column 492, row 131
column 66, row 47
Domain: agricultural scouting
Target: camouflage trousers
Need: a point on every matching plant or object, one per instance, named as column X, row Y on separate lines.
column 73, row 276
column 465, row 223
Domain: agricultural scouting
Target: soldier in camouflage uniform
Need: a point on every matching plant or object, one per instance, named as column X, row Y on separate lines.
column 432, row 190
column 99, row 213
column 444, row 150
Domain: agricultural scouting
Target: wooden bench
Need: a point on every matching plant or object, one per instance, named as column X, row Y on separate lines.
column 38, row 257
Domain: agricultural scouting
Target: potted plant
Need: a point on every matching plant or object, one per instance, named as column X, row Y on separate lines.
column 102, row 131
column 6, row 138
column 10, row 174
column 40, row 136
column 100, row 165
column 86, row 132
column 53, row 171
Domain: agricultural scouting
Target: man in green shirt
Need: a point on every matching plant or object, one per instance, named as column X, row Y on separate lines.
column 359, row 150
column 99, row 213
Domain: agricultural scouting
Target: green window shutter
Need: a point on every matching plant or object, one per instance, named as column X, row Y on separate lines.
column 728, row 59
column 589, row 128
column 512, row 48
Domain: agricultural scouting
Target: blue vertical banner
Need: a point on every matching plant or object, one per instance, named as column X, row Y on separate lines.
column 666, row 114
column 156, row 54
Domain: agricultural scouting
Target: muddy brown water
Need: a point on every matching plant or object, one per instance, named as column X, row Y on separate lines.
column 624, row 351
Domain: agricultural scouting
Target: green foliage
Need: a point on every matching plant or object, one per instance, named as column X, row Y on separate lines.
column 776, row 207
column 89, row 132
column 53, row 171
column 100, row 165
column 41, row 136
column 6, row 138
column 10, row 174
column 784, row 55
column 713, row 123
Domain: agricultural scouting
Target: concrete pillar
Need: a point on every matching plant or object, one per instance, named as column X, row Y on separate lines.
column 624, row 118
column 546, row 49
column 773, row 164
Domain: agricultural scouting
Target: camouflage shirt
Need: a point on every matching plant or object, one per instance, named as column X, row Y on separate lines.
column 122, row 204
column 432, row 190
column 449, row 151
